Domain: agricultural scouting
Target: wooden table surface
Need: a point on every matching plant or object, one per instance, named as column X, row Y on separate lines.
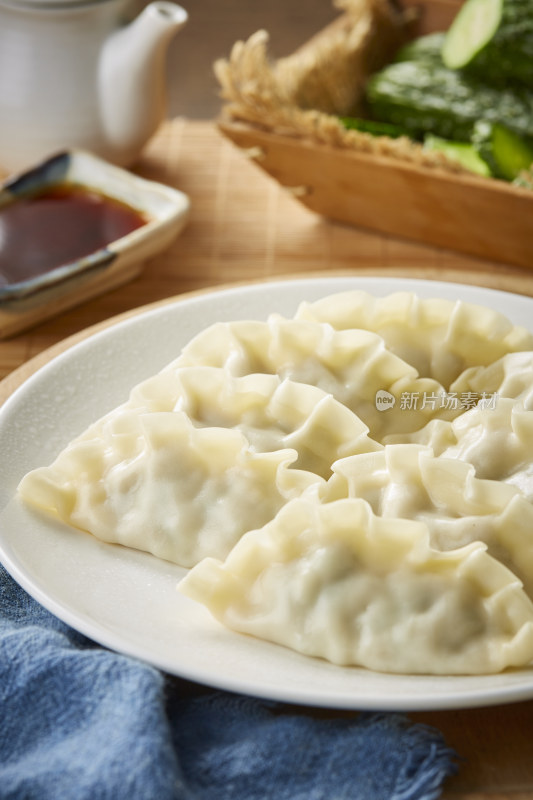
column 245, row 227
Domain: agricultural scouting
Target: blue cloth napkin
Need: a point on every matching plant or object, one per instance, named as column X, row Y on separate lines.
column 80, row 722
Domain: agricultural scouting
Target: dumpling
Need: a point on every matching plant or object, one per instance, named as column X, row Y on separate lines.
column 272, row 414
column 497, row 435
column 352, row 365
column 510, row 376
column 336, row 582
column 497, row 441
column 408, row 481
column 156, row 483
column 439, row 337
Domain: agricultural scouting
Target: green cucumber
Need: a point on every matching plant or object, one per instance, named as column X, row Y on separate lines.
column 506, row 153
column 370, row 126
column 425, row 97
column 424, row 48
column 463, row 153
column 473, row 28
column 492, row 38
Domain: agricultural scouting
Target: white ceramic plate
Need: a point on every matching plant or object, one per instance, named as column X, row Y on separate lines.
column 127, row 600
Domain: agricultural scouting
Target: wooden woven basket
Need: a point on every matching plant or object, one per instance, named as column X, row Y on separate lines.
column 284, row 115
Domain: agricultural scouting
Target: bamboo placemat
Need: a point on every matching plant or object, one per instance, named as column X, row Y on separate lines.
column 245, row 227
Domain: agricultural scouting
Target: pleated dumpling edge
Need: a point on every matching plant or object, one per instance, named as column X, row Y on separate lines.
column 334, row 581
column 353, row 365
column 156, row 483
column 439, row 337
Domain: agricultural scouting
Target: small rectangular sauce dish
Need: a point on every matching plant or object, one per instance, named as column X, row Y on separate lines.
column 74, row 227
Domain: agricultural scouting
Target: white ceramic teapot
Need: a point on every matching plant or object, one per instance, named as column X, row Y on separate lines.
column 71, row 75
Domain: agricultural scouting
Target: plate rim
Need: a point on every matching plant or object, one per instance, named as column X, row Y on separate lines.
column 24, row 371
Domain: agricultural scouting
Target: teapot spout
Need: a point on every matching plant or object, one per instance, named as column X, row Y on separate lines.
column 132, row 84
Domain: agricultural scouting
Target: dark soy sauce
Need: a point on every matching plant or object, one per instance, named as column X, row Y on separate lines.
column 58, row 226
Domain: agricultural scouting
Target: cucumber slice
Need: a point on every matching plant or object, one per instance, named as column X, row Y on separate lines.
column 472, row 29
column 462, row 152
column 375, row 128
column 506, row 153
